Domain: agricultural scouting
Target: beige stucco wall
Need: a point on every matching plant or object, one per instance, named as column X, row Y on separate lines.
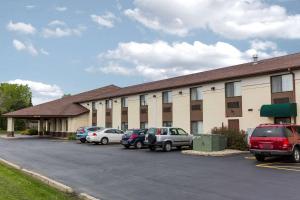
column 134, row 111
column 116, row 113
column 256, row 91
column 88, row 105
column 181, row 108
column 100, row 105
column 79, row 121
column 213, row 106
column 154, row 109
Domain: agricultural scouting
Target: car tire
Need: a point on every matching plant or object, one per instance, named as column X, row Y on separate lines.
column 138, row 145
column 167, row 146
column 96, row 143
column 104, row 141
column 296, row 155
column 152, row 148
column 126, row 146
column 260, row 158
column 82, row 140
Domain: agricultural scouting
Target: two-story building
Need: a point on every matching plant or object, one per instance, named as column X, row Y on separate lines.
column 240, row 97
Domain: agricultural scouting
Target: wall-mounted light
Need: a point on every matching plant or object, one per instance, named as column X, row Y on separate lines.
column 154, row 96
column 115, row 101
column 180, row 92
column 88, row 104
column 250, row 109
column 213, row 88
column 100, row 103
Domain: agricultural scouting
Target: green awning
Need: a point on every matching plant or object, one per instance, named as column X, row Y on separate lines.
column 279, row 110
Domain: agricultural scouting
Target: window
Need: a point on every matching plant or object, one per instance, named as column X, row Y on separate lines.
column 233, row 89
column 197, row 127
column 144, row 125
column 93, row 105
column 167, row 97
column 282, row 83
column 173, row 131
column 167, row 124
column 143, row 100
column 124, row 126
column 196, row 93
column 233, row 104
column 181, row 131
column 124, row 102
column 108, row 125
column 108, row 104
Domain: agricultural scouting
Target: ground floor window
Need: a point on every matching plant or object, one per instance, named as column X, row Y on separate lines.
column 144, row 125
column 167, row 124
column 282, row 120
column 124, row 126
column 196, row 127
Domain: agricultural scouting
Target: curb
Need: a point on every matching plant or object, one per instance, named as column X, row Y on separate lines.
column 213, row 154
column 48, row 181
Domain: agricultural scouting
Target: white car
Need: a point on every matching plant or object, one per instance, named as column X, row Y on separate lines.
column 105, row 136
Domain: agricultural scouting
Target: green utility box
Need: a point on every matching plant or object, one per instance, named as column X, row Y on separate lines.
column 209, row 142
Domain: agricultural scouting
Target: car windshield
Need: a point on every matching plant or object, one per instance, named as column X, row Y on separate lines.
column 270, row 132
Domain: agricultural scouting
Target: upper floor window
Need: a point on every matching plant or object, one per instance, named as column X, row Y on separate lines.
column 108, row 104
column 167, row 97
column 196, row 93
column 143, row 100
column 282, row 83
column 233, row 89
column 93, row 105
column 124, row 102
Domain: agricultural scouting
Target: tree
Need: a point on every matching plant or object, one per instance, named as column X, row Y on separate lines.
column 14, row 97
column 66, row 95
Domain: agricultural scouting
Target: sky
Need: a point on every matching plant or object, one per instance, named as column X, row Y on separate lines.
column 65, row 47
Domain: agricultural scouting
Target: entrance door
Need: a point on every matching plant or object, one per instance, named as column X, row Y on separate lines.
column 234, row 124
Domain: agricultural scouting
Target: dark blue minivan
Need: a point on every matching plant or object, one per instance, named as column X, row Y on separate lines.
column 134, row 137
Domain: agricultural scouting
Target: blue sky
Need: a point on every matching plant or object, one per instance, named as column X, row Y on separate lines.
column 72, row 46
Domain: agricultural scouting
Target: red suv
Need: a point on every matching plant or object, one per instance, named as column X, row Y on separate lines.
column 276, row 140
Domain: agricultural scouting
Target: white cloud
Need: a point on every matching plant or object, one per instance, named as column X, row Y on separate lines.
column 236, row 19
column 160, row 59
column 29, row 7
column 61, row 8
column 56, row 23
column 21, row 27
column 58, row 32
column 41, row 92
column 106, row 20
column 20, row 46
column 43, row 51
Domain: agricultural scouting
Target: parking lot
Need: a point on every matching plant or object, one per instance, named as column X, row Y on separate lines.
column 111, row 172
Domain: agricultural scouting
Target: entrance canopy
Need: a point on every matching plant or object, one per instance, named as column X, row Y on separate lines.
column 279, row 110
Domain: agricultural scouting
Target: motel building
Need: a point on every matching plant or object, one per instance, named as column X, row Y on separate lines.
column 239, row 97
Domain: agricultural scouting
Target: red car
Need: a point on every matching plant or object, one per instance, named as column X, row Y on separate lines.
column 276, row 140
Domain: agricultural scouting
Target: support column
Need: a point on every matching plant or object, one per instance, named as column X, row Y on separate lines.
column 10, row 127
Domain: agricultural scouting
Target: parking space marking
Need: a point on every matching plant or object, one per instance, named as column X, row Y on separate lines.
column 281, row 166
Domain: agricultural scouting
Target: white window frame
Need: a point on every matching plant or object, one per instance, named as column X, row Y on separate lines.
column 196, row 93
column 169, row 97
column 237, row 89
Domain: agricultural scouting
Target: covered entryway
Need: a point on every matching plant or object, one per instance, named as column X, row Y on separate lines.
column 56, row 127
column 282, row 113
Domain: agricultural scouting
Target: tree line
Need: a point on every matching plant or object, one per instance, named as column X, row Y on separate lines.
column 14, row 97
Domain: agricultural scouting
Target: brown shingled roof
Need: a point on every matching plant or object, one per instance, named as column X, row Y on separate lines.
column 63, row 107
column 67, row 106
column 266, row 66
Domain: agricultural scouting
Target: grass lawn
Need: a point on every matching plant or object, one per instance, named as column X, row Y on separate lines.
column 15, row 185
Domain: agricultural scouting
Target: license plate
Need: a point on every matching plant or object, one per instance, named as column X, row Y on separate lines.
column 268, row 146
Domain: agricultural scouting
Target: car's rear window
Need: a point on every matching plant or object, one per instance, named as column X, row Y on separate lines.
column 271, row 132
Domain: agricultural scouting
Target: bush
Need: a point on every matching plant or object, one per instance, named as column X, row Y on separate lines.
column 29, row 132
column 235, row 139
column 71, row 137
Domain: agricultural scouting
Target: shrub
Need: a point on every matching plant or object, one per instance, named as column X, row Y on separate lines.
column 235, row 139
column 71, row 137
column 29, row 132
